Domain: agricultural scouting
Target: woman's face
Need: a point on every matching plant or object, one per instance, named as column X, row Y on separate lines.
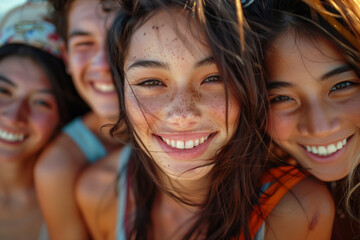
column 175, row 97
column 315, row 99
column 28, row 110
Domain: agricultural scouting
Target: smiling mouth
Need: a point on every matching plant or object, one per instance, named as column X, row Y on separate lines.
column 11, row 137
column 188, row 144
column 327, row 150
column 104, row 87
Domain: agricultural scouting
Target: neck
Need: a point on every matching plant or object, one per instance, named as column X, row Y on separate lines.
column 16, row 175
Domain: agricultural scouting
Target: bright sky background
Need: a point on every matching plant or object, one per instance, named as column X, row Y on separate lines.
column 6, row 5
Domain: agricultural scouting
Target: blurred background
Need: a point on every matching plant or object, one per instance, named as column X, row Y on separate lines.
column 6, row 5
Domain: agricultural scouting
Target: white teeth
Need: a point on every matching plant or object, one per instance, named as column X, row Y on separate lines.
column 11, row 137
column 326, row 150
column 188, row 144
column 180, row 144
column 104, row 87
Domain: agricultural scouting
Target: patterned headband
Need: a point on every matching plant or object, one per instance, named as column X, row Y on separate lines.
column 25, row 25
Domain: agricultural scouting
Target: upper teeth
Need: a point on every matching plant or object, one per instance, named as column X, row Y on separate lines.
column 11, row 137
column 179, row 144
column 326, row 150
column 104, row 87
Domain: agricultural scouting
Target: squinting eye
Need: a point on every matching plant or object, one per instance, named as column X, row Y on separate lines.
column 42, row 103
column 151, row 83
column 342, row 85
column 280, row 98
column 4, row 91
column 212, row 79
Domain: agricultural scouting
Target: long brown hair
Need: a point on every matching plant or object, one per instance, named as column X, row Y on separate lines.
column 337, row 21
column 239, row 164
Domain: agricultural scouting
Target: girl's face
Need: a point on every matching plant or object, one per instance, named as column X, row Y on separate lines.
column 315, row 99
column 175, row 97
column 28, row 110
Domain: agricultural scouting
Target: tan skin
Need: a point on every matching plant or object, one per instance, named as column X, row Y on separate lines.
column 60, row 164
column 28, row 109
column 171, row 220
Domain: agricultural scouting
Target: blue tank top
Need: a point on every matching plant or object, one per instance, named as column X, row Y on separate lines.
column 89, row 144
column 122, row 192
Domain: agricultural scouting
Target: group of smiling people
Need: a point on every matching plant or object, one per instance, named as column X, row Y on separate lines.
column 180, row 119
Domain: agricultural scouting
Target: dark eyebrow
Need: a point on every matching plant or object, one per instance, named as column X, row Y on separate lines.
column 278, row 84
column 78, row 33
column 159, row 64
column 149, row 63
column 338, row 70
column 8, row 81
column 205, row 62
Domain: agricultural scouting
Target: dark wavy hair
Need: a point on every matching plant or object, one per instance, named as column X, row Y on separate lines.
column 69, row 103
column 271, row 18
column 239, row 164
column 59, row 14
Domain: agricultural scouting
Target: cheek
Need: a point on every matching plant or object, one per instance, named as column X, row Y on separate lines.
column 216, row 106
column 45, row 124
column 280, row 127
column 78, row 60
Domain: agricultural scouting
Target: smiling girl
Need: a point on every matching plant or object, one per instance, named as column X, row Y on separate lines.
column 36, row 99
column 313, row 76
column 194, row 112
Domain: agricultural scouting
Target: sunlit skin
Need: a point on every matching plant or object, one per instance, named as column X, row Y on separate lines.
column 87, row 57
column 28, row 109
column 173, row 91
column 315, row 96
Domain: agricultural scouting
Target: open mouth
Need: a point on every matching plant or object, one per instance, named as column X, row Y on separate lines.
column 11, row 137
column 327, row 150
column 104, row 87
column 188, row 144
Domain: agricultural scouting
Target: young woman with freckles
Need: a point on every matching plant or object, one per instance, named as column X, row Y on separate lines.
column 195, row 114
column 313, row 76
column 37, row 98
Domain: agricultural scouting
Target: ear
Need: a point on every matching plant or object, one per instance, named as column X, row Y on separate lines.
column 66, row 58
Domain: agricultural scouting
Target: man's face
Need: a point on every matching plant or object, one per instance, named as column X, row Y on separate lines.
column 87, row 56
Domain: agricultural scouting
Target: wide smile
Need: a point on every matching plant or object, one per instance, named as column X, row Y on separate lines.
column 11, row 137
column 186, row 147
column 329, row 150
column 187, row 144
column 103, row 87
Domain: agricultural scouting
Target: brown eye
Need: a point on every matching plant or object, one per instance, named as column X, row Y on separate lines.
column 280, row 98
column 212, row 79
column 342, row 85
column 151, row 83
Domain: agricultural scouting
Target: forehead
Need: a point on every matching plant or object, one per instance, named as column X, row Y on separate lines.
column 296, row 51
column 86, row 15
column 166, row 34
column 24, row 72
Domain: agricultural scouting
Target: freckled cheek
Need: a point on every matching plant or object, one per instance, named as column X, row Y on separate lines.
column 349, row 111
column 216, row 106
column 151, row 106
column 280, row 127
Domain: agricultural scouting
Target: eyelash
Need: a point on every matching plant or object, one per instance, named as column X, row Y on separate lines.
column 4, row 91
column 151, row 83
column 342, row 85
column 212, row 79
column 281, row 98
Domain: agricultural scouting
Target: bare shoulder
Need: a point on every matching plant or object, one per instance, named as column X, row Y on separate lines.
column 305, row 212
column 96, row 195
column 62, row 154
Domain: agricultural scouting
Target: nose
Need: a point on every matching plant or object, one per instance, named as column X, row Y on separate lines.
column 318, row 119
column 183, row 109
column 100, row 61
column 15, row 113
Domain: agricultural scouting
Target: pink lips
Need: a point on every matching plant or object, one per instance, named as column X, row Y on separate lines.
column 185, row 153
column 327, row 159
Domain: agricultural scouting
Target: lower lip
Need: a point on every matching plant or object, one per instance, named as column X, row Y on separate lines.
column 185, row 153
column 330, row 158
